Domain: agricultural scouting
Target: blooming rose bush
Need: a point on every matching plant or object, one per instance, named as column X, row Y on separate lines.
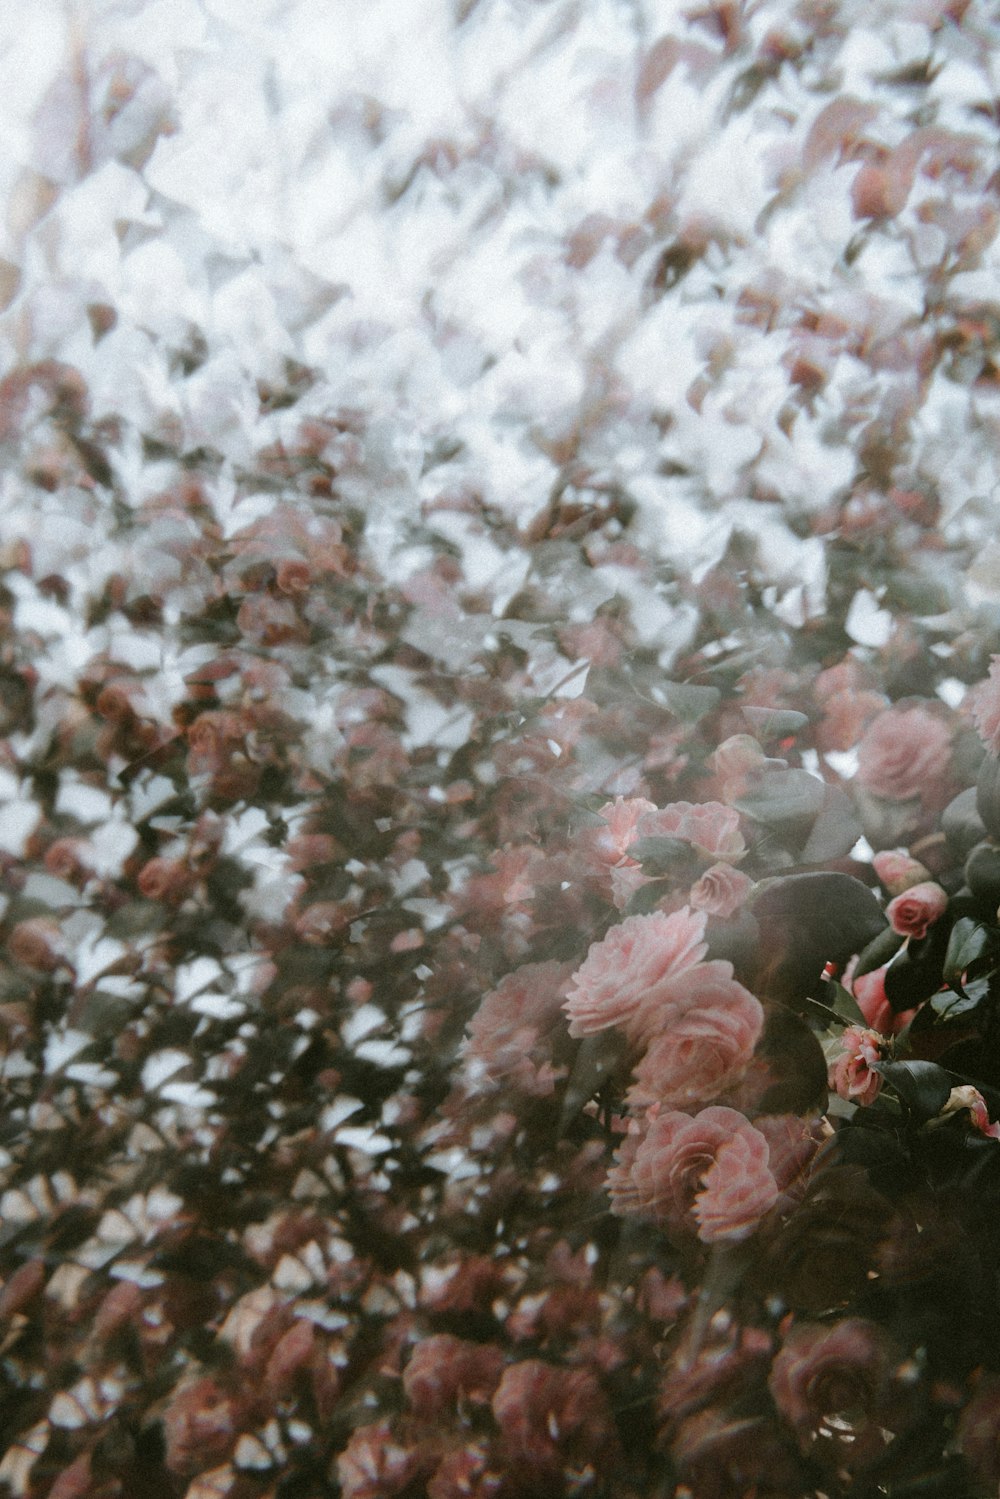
column 480, row 764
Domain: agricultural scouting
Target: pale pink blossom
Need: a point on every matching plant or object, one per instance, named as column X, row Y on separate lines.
column 710, row 827
column 905, row 754
column 969, row 1098
column 898, row 870
column 705, row 1049
column 508, row 1037
column 738, row 762
column 721, row 891
column 708, row 1172
column 918, row 908
column 852, row 1075
column 621, row 817
column 985, row 708
column 631, row 975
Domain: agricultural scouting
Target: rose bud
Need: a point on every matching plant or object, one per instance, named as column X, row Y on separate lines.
column 898, row 871
column 917, row 908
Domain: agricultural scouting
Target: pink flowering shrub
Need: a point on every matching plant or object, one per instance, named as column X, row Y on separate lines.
column 499, row 720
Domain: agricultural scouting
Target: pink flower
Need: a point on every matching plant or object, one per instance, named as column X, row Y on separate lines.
column 444, row 1369
column 710, row 827
column 985, row 708
column 551, row 1418
column 611, row 843
column 839, row 1371
column 632, row 973
column 373, row 1465
column 721, row 891
column 970, row 1098
column 37, row 943
column 851, row 1075
column 739, row 762
column 904, row 754
column 508, row 1035
column 793, row 1143
column 701, row 1052
column 917, row 908
column 709, row 1172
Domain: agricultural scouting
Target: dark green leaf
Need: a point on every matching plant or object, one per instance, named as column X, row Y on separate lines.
column 961, row 823
column 836, row 829
column 659, row 855
column 923, row 1086
column 784, row 796
column 949, row 1004
column 689, row 702
column 774, row 723
column 915, row 973
column 967, row 942
column 885, row 947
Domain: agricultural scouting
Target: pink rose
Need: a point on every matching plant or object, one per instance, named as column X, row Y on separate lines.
column 793, row 1143
column 985, row 708
column 444, row 1369
column 738, row 762
column 508, row 1037
column 721, row 891
column 551, row 1418
column 970, row 1098
column 621, row 817
column 898, row 870
column 38, row 943
column 917, row 908
column 840, row 1371
column 710, row 827
column 631, row 974
column 905, row 753
column 709, row 1172
column 374, row 1465
column 701, row 1052
column 851, row 1075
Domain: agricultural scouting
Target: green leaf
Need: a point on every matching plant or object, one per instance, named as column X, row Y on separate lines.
column 844, row 1003
column 774, row 723
column 689, row 702
column 878, row 952
column 784, row 796
column 967, row 942
column 923, row 1086
column 659, row 855
column 949, row 1004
